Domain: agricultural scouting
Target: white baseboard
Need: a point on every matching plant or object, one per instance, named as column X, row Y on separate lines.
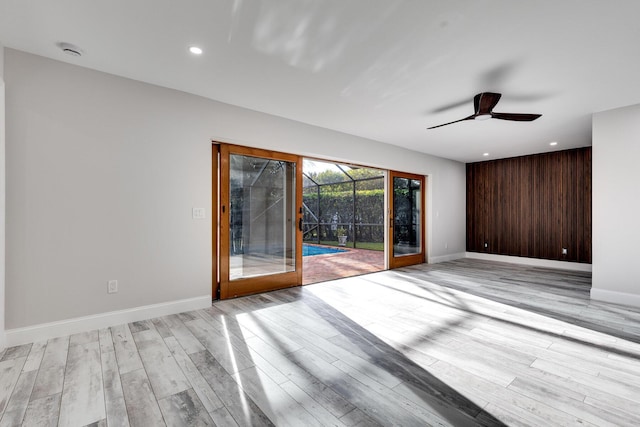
column 535, row 262
column 66, row 327
column 445, row 258
column 614, row 297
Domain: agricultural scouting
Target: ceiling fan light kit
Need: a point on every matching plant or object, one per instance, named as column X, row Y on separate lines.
column 482, row 117
column 484, row 103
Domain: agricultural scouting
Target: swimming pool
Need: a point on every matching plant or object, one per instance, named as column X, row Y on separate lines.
column 311, row 250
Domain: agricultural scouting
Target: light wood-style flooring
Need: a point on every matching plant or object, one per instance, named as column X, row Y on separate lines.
column 460, row 343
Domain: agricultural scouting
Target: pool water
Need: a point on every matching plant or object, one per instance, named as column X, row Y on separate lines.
column 309, row 250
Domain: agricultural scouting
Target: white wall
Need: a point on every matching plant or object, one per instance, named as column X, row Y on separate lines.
column 2, row 198
column 102, row 173
column 616, row 206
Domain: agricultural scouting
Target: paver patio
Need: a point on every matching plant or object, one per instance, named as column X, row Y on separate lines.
column 320, row 268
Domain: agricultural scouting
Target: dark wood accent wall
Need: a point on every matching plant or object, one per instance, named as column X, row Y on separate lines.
column 531, row 206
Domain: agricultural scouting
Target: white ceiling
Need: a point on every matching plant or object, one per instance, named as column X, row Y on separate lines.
column 381, row 69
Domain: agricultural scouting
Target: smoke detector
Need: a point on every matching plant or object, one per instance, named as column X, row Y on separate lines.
column 70, row 49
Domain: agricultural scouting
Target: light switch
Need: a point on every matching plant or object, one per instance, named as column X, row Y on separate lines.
column 198, row 213
column 112, row 286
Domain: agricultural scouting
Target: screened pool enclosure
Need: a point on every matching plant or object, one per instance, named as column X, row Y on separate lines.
column 282, row 216
column 343, row 205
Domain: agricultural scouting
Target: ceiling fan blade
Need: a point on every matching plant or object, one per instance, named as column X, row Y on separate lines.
column 450, row 123
column 516, row 117
column 450, row 106
column 485, row 101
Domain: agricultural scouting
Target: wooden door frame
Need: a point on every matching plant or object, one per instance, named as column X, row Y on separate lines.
column 403, row 261
column 262, row 283
column 215, row 202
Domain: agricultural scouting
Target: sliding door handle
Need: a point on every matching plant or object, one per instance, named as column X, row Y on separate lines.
column 300, row 224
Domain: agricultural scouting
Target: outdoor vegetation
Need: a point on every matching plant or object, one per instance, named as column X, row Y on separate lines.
column 352, row 201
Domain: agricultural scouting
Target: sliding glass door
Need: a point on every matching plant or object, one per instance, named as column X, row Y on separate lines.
column 406, row 244
column 260, row 238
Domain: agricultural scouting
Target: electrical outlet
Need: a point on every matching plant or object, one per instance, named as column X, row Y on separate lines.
column 197, row 213
column 446, row 245
column 486, row 245
column 112, row 286
column 564, row 251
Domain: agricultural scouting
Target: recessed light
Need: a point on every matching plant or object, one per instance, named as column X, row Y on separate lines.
column 195, row 50
column 70, row 49
column 553, row 143
column 485, row 154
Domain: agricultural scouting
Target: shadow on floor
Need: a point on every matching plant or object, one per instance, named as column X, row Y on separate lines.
column 560, row 294
column 444, row 403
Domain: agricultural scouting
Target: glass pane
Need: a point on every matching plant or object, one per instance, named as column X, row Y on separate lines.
column 262, row 217
column 407, row 201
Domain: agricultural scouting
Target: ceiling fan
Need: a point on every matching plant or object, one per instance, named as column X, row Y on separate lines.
column 484, row 103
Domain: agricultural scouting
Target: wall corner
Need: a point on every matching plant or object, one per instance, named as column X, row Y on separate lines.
column 2, row 200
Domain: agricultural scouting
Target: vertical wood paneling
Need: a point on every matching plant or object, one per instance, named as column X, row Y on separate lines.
column 484, row 199
column 531, row 206
column 584, row 203
column 554, row 182
column 510, row 218
column 471, row 233
column 535, row 211
column 525, row 202
column 570, row 209
column 495, row 220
